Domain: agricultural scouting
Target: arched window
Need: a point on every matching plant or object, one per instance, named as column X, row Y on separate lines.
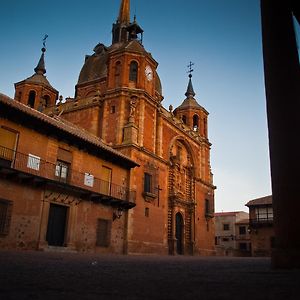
column 133, row 71
column 31, row 99
column 118, row 73
column 47, row 100
column 195, row 122
column 184, row 119
column 205, row 127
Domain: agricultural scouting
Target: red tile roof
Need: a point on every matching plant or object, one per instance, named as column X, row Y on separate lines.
column 267, row 200
column 64, row 125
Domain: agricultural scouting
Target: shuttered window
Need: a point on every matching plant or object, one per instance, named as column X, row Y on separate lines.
column 5, row 216
column 106, row 180
column 103, row 233
column 8, row 140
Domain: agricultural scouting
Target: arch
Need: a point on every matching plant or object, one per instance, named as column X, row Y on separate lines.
column 31, row 99
column 179, row 233
column 133, row 71
column 183, row 119
column 187, row 146
column 195, row 122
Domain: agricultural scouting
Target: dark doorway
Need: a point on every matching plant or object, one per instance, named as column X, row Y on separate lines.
column 56, row 225
column 179, row 233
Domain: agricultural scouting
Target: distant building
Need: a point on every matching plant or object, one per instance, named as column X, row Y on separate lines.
column 261, row 226
column 232, row 236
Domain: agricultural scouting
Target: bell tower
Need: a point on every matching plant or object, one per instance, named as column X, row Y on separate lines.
column 190, row 112
column 36, row 91
column 119, row 30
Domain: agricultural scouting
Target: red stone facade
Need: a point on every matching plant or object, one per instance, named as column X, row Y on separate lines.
column 46, row 199
column 118, row 99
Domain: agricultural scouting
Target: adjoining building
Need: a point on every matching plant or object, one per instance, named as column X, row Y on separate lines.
column 232, row 234
column 60, row 186
column 114, row 123
column 261, row 226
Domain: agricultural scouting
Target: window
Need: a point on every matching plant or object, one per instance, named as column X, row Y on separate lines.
column 226, row 227
column 47, row 100
column 195, row 122
column 5, row 216
column 133, row 71
column 264, row 213
column 8, row 139
column 112, row 109
column 118, row 74
column 105, row 183
column 31, row 99
column 243, row 246
column 103, row 233
column 62, row 170
column 184, row 119
column 147, row 183
column 242, row 230
column 33, row 162
column 207, row 208
column 147, row 210
column 63, row 164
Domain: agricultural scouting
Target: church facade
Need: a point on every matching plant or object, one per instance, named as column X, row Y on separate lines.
column 118, row 101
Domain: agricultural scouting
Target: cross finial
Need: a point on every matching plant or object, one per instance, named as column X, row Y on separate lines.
column 190, row 70
column 44, row 40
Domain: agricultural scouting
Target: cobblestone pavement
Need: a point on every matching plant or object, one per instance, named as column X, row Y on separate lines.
column 55, row 275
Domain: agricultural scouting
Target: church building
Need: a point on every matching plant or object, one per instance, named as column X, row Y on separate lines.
column 162, row 156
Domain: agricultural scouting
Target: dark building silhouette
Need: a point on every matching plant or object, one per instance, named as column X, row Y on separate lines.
column 282, row 81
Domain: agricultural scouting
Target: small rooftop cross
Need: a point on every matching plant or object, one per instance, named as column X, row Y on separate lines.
column 190, row 70
column 44, row 40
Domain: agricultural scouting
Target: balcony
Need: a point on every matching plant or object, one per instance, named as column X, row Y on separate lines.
column 30, row 168
column 261, row 222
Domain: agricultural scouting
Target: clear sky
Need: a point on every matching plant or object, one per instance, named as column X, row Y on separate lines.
column 222, row 38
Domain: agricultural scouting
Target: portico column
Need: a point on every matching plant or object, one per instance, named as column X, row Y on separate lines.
column 282, row 82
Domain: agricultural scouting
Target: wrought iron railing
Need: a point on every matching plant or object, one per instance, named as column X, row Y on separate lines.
column 34, row 165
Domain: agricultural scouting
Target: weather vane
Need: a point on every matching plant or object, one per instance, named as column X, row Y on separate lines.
column 190, row 70
column 44, row 40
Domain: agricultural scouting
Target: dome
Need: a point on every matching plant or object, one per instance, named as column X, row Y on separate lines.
column 95, row 66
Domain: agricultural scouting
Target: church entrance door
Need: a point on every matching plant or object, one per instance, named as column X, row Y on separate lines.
column 179, row 233
column 56, row 225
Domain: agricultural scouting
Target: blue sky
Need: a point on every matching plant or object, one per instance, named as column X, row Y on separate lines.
column 222, row 38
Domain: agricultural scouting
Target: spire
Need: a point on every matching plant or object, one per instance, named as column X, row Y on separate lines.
column 40, row 68
column 124, row 14
column 190, row 90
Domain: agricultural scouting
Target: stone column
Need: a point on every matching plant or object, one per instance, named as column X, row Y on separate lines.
column 282, row 82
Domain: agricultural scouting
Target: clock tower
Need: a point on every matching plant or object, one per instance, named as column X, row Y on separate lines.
column 118, row 98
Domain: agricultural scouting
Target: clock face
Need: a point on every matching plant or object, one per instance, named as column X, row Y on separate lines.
column 148, row 73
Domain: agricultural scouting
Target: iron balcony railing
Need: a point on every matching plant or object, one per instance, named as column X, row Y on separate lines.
column 34, row 165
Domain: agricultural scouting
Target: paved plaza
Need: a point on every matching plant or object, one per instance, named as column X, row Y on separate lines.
column 58, row 276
